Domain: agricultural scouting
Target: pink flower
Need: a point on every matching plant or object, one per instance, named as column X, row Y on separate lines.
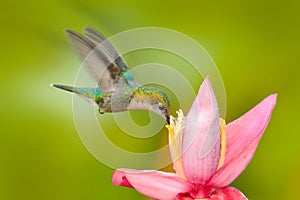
column 207, row 154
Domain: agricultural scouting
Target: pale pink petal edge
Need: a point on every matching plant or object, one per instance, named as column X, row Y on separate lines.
column 154, row 184
column 246, row 128
column 244, row 135
column 201, row 138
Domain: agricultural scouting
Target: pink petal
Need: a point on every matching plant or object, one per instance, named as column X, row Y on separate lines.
column 227, row 193
column 154, row 184
column 243, row 136
column 201, row 138
column 231, row 170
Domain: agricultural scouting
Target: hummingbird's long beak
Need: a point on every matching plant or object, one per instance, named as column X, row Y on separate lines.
column 168, row 119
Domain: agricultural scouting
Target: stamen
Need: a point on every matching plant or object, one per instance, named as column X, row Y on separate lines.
column 175, row 142
column 222, row 143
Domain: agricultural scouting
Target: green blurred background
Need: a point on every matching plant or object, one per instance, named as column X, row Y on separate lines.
column 255, row 45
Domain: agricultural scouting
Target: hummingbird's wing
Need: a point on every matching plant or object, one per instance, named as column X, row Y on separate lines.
column 111, row 53
column 108, row 49
column 100, row 58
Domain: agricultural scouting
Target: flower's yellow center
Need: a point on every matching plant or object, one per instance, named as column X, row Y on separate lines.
column 222, row 143
column 175, row 142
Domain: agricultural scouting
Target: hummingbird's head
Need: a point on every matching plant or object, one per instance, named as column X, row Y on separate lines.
column 152, row 99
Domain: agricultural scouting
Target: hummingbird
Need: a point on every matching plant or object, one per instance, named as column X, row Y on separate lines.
column 117, row 90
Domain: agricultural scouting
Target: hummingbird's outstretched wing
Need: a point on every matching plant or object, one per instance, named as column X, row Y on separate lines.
column 108, row 48
column 100, row 58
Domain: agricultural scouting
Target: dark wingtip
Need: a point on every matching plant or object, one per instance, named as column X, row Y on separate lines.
column 67, row 31
column 88, row 28
column 70, row 33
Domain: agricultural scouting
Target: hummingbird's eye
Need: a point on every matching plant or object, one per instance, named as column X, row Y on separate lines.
column 161, row 107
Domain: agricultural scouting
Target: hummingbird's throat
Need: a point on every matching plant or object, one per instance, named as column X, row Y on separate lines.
column 139, row 104
column 144, row 102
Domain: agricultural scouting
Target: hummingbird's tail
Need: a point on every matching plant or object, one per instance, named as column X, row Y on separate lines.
column 92, row 95
column 64, row 87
